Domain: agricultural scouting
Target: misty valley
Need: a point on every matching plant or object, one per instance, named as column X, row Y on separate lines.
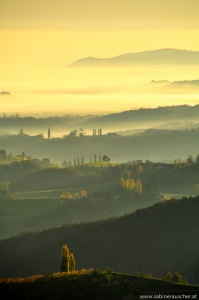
column 99, row 150
column 121, row 181
column 99, row 179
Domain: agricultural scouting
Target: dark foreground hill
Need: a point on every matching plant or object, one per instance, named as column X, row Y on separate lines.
column 154, row 240
column 91, row 284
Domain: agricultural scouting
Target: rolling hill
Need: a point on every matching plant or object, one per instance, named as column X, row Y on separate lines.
column 141, row 118
column 154, row 240
column 91, row 284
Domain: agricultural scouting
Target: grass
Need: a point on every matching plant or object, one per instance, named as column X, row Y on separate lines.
column 90, row 284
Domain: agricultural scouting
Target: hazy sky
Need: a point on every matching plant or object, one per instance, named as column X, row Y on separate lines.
column 92, row 27
column 41, row 36
column 103, row 14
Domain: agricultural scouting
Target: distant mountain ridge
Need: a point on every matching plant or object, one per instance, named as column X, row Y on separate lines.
column 159, row 82
column 5, row 93
column 153, row 57
column 193, row 84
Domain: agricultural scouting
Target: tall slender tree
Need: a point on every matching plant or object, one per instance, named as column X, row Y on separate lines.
column 71, row 262
column 65, row 262
column 68, row 260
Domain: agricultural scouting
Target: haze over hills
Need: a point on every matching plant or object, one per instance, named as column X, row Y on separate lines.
column 154, row 57
column 131, row 119
column 190, row 85
column 177, row 123
column 99, row 121
column 5, row 93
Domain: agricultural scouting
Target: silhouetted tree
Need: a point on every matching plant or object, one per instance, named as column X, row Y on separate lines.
column 82, row 133
column 73, row 133
column 23, row 156
column 190, row 159
column 65, row 164
column 105, row 158
column 3, row 155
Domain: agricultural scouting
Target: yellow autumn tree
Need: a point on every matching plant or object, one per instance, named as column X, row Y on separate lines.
column 130, row 184
column 68, row 260
column 66, row 195
column 84, row 194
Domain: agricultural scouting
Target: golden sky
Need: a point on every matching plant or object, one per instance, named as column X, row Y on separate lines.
column 40, row 37
column 89, row 27
column 103, row 14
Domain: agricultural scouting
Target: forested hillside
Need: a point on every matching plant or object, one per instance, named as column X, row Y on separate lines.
column 176, row 177
column 154, row 240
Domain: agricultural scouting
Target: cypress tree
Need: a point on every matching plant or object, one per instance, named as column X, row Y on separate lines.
column 68, row 260
column 71, row 262
column 65, row 262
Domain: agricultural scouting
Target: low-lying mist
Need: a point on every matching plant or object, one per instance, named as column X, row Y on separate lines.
column 98, row 90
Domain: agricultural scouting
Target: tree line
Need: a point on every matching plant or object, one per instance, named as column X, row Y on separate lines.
column 131, row 184
column 77, row 161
